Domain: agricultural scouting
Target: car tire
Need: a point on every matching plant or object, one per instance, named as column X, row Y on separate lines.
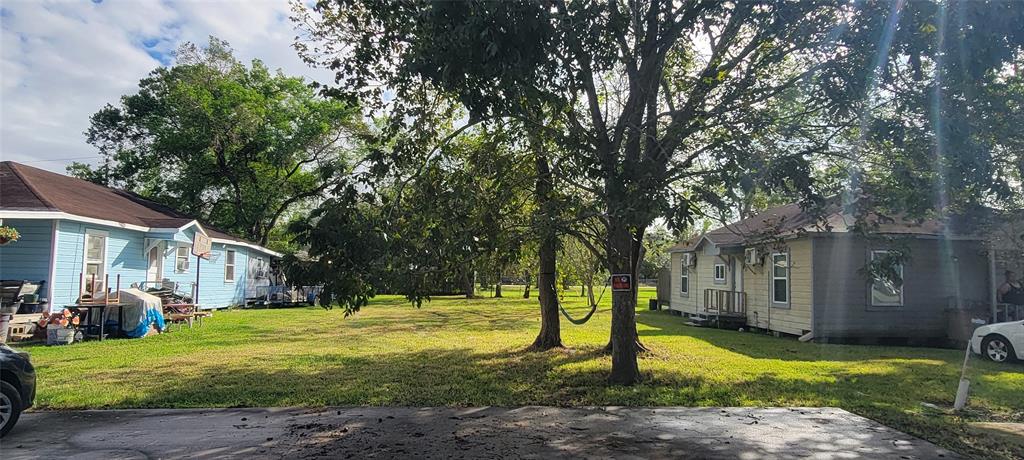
column 10, row 407
column 997, row 348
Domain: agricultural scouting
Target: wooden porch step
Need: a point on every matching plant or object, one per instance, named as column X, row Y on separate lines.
column 724, row 315
column 723, row 322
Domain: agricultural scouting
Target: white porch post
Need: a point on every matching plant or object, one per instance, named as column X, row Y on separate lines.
column 51, row 294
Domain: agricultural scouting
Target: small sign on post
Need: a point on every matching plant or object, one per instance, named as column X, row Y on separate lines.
column 622, row 282
column 201, row 246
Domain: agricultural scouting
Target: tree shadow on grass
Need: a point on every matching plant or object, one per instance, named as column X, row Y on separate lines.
column 763, row 346
column 932, row 367
column 456, row 376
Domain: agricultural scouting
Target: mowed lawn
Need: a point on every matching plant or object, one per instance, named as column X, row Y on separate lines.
column 461, row 352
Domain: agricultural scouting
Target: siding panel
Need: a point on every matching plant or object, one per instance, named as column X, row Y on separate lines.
column 125, row 256
column 214, row 290
column 936, row 271
column 702, row 277
column 761, row 313
column 29, row 257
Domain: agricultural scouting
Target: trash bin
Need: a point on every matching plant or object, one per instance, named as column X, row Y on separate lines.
column 654, row 305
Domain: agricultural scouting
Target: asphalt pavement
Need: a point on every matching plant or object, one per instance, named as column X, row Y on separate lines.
column 482, row 432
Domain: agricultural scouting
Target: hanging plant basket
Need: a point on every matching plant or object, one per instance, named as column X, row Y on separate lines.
column 8, row 235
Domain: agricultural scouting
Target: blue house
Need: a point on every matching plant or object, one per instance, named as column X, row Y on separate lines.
column 71, row 228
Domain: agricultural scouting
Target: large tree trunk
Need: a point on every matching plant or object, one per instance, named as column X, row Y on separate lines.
column 469, row 281
column 550, row 335
column 590, row 290
column 497, row 287
column 624, row 340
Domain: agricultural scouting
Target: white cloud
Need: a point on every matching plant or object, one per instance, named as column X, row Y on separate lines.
column 62, row 61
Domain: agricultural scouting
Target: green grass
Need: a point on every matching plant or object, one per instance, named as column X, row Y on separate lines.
column 471, row 352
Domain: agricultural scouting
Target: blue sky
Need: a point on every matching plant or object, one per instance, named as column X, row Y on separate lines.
column 61, row 61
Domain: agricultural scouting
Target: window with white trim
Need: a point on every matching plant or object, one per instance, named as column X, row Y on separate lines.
column 780, row 277
column 181, row 259
column 887, row 291
column 229, row 266
column 95, row 259
column 684, row 281
column 719, row 273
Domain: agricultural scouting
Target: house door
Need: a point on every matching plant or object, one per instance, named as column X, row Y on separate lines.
column 154, row 271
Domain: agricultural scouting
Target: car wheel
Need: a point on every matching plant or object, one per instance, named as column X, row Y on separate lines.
column 997, row 348
column 10, row 407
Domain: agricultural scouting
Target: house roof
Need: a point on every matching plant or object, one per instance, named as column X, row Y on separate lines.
column 24, row 188
column 778, row 220
column 791, row 219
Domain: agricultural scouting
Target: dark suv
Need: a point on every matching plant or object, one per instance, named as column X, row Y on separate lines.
column 17, row 386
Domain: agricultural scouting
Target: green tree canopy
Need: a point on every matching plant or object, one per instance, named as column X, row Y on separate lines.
column 459, row 215
column 657, row 104
column 237, row 146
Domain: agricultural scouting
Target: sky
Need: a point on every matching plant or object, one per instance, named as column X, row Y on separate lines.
column 61, row 61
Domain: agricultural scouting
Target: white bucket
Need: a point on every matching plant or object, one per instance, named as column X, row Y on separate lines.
column 59, row 336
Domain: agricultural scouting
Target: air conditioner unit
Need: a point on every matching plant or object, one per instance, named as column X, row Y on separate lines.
column 689, row 259
column 751, row 256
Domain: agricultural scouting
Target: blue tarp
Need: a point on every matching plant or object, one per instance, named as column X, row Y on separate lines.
column 141, row 310
column 154, row 317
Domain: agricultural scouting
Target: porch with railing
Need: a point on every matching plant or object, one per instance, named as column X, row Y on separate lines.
column 724, row 302
column 722, row 308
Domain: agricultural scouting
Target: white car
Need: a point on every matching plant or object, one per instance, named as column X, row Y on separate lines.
column 1000, row 342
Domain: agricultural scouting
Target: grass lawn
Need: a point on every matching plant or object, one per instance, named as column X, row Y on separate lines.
column 471, row 352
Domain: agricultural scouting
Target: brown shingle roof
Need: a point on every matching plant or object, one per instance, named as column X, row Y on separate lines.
column 24, row 188
column 17, row 194
column 791, row 218
column 779, row 220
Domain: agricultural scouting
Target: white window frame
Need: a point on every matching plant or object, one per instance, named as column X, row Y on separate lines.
column 684, row 281
column 86, row 281
column 178, row 257
column 871, row 287
column 773, row 277
column 724, row 273
column 159, row 248
column 260, row 268
column 230, row 254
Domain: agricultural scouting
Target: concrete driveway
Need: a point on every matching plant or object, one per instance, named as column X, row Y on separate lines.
column 488, row 432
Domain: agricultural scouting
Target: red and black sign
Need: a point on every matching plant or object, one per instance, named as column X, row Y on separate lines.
column 622, row 282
